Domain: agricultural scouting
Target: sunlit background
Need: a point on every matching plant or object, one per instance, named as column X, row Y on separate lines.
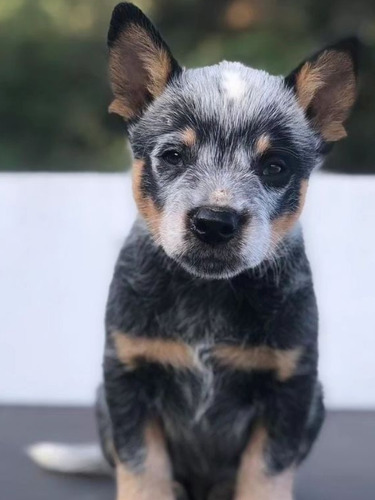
column 53, row 80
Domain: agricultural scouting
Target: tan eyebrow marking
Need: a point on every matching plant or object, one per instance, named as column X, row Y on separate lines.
column 189, row 136
column 259, row 358
column 263, row 143
column 134, row 350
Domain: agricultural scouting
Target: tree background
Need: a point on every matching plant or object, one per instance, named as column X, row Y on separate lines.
column 54, row 92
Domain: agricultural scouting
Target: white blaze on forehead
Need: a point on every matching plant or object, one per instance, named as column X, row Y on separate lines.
column 233, row 84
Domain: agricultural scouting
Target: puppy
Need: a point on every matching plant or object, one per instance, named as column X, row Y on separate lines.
column 210, row 366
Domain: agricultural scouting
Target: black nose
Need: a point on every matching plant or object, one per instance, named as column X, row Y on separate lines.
column 213, row 225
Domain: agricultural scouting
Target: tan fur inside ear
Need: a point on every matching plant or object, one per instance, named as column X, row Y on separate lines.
column 139, row 71
column 327, row 87
column 309, row 81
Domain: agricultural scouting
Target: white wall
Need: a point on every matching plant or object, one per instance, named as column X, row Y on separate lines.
column 60, row 234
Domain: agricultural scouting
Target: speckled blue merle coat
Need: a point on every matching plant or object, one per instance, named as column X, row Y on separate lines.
column 210, row 365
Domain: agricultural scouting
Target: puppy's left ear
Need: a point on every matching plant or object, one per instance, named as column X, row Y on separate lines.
column 140, row 62
column 326, row 87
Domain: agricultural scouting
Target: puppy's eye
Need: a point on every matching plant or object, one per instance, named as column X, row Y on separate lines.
column 172, row 156
column 274, row 172
column 272, row 169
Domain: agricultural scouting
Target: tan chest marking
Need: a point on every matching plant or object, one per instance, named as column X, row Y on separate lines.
column 261, row 358
column 134, row 350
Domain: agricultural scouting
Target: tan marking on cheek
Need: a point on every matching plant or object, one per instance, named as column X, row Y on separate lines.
column 254, row 481
column 261, row 358
column 262, row 144
column 155, row 480
column 145, row 204
column 282, row 225
column 134, row 350
column 138, row 167
column 189, row 137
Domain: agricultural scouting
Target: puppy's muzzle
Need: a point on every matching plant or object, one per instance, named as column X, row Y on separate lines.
column 214, row 226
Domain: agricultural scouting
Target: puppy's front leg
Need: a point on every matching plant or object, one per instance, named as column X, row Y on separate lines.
column 151, row 479
column 290, row 424
column 143, row 469
column 254, row 480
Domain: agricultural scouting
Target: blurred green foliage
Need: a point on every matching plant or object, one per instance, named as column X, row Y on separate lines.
column 54, row 92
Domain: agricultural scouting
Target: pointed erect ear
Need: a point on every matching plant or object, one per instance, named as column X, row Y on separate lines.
column 326, row 87
column 140, row 63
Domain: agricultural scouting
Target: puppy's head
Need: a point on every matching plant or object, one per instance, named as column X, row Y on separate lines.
column 223, row 154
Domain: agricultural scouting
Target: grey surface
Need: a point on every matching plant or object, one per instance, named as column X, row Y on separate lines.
column 341, row 467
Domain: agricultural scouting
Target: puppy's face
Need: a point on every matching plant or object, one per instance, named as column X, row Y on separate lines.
column 223, row 154
column 223, row 157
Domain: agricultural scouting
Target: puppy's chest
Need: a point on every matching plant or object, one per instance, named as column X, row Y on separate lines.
column 204, row 386
column 201, row 384
column 198, row 350
column 206, row 410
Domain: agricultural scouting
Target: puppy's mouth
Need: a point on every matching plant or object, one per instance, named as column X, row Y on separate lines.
column 211, row 263
column 211, row 269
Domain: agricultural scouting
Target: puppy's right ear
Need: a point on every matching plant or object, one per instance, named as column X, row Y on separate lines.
column 140, row 63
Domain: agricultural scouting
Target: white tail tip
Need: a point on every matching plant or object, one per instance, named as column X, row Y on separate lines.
column 69, row 459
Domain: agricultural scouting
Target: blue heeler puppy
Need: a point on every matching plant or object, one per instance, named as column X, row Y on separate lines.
column 210, row 365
